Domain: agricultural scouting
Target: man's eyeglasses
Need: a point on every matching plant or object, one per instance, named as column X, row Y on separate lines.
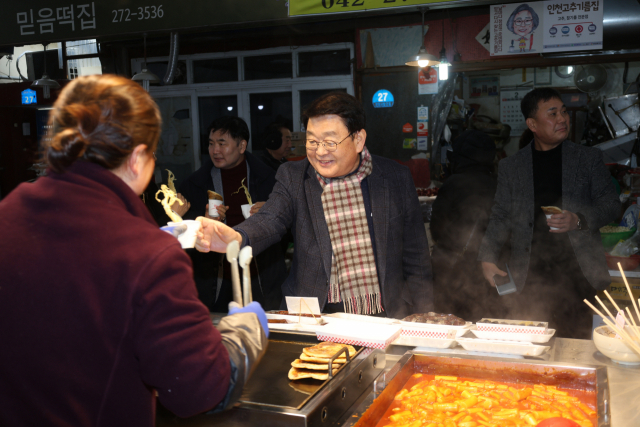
column 521, row 22
column 154, row 156
column 328, row 145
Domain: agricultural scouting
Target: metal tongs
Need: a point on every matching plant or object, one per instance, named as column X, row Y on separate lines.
column 244, row 256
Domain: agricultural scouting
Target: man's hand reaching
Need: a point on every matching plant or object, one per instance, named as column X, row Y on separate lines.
column 215, row 236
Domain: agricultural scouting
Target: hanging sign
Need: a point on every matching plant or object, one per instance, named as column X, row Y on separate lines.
column 427, row 81
column 37, row 21
column 549, row 26
column 382, row 99
column 315, row 7
column 29, row 97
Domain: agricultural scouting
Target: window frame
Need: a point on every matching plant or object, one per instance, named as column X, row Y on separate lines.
column 243, row 88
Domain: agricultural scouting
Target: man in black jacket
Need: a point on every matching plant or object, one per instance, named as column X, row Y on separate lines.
column 459, row 218
column 227, row 169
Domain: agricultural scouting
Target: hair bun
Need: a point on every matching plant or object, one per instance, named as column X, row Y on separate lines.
column 67, row 146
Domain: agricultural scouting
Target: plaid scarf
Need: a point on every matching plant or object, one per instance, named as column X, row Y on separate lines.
column 354, row 277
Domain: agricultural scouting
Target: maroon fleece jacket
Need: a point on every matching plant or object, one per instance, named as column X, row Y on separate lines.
column 98, row 309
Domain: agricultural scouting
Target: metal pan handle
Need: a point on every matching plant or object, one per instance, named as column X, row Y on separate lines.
column 345, row 350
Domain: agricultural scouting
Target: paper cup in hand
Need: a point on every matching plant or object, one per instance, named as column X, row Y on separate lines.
column 213, row 212
column 551, row 210
column 552, row 228
column 215, row 199
column 246, row 211
column 188, row 238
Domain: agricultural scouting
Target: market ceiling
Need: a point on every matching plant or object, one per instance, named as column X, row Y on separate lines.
column 39, row 21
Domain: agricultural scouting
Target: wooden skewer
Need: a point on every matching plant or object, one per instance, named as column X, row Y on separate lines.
column 630, row 293
column 613, row 326
column 613, row 318
column 635, row 327
column 612, row 301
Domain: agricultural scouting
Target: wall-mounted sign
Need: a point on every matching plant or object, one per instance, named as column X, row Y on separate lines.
column 314, row 7
column 36, row 21
column 407, row 128
column 549, row 26
column 29, row 97
column 427, row 81
column 382, row 99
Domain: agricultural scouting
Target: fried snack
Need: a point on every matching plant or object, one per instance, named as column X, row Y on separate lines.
column 301, row 364
column 327, row 350
column 297, row 374
column 170, row 197
column 305, row 358
column 246, row 191
column 435, row 319
column 170, row 180
column 214, row 196
column 551, row 210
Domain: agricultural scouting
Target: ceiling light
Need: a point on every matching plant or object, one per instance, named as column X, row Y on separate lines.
column 229, row 108
column 45, row 82
column 443, row 67
column 422, row 59
column 260, row 107
column 146, row 77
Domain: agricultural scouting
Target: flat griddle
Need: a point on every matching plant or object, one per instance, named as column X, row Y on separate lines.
column 271, row 399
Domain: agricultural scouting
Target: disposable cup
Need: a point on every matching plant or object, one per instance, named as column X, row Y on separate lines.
column 246, row 211
column 213, row 212
column 553, row 228
column 188, row 238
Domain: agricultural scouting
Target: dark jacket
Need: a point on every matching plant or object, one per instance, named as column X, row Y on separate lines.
column 271, row 267
column 463, row 206
column 266, row 158
column 98, row 310
column 402, row 251
column 586, row 188
column 464, row 200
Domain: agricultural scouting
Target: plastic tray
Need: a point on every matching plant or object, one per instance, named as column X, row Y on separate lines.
column 512, row 326
column 359, row 333
column 430, row 330
column 503, row 347
column 425, row 342
column 509, row 336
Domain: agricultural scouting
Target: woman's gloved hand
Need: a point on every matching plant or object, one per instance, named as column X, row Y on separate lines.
column 254, row 307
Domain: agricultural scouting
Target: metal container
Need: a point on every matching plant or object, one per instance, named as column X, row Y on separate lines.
column 623, row 112
column 271, row 399
column 590, row 378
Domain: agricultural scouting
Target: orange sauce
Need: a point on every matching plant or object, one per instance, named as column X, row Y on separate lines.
column 449, row 401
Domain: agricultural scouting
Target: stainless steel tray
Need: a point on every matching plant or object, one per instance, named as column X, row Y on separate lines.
column 591, row 378
column 271, row 399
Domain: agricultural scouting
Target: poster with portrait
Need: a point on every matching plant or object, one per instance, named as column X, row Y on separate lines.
column 516, row 28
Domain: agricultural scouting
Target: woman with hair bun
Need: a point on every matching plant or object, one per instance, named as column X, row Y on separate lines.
column 98, row 308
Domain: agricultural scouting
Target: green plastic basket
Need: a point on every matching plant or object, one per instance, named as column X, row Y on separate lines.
column 609, row 240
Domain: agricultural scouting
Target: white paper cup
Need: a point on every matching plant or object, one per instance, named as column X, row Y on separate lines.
column 188, row 238
column 246, row 211
column 213, row 212
column 553, row 228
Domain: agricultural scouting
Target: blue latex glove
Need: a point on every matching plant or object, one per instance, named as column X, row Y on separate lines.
column 255, row 308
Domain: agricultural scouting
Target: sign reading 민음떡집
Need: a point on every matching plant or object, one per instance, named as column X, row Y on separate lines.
column 37, row 21
column 314, row 7
column 549, row 26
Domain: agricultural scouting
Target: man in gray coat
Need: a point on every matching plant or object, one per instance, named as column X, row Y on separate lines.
column 559, row 261
column 360, row 244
